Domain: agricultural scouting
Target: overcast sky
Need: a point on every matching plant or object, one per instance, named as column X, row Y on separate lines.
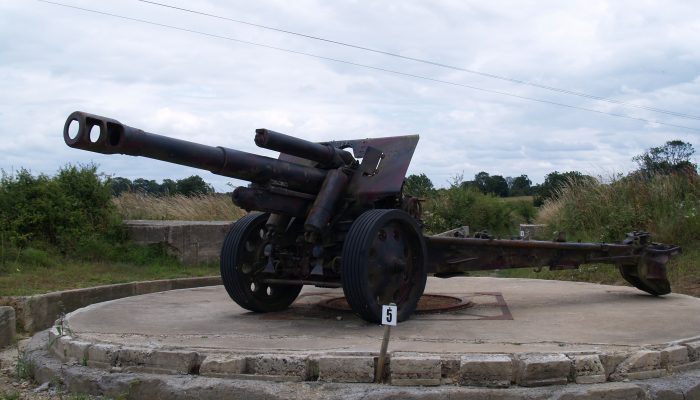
column 55, row 60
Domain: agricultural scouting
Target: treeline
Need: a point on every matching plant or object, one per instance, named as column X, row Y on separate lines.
column 674, row 156
column 499, row 186
column 484, row 203
column 192, row 186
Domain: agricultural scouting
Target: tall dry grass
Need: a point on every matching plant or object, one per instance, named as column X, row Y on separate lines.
column 668, row 206
column 210, row 207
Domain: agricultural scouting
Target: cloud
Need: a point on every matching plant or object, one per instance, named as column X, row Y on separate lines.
column 55, row 60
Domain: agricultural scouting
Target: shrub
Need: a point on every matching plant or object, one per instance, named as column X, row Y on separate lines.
column 463, row 205
column 522, row 211
column 62, row 211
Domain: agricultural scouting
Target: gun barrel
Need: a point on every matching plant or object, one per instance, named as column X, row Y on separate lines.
column 325, row 154
column 109, row 136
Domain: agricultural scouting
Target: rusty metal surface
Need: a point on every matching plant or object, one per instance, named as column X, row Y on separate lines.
column 641, row 262
column 117, row 138
column 384, row 165
column 322, row 210
column 448, row 253
column 322, row 153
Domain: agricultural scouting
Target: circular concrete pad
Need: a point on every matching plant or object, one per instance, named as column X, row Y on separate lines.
column 508, row 316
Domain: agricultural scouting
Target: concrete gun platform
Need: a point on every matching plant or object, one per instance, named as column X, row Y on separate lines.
column 517, row 332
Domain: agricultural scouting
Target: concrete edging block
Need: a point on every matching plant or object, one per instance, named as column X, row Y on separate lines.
column 7, row 326
column 491, row 370
column 693, row 350
column 346, row 369
column 102, row 355
column 673, row 356
column 415, row 370
column 156, row 361
column 286, row 365
column 223, row 365
column 644, row 364
column 588, row 369
column 543, row 369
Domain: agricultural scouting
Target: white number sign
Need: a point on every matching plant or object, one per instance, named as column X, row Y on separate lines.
column 389, row 315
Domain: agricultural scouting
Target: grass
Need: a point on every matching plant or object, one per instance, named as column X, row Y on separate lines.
column 39, row 271
column 75, row 274
column 211, row 207
column 528, row 199
column 24, row 370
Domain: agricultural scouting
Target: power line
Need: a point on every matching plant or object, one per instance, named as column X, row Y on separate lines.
column 429, row 62
column 367, row 66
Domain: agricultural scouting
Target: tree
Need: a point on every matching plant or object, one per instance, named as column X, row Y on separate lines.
column 520, row 186
column 146, row 186
column 418, row 186
column 509, row 181
column 194, row 185
column 481, row 181
column 168, row 187
column 555, row 181
column 119, row 185
column 485, row 183
column 674, row 156
column 497, row 185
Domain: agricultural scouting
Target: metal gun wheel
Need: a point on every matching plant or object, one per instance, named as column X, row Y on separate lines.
column 384, row 262
column 242, row 259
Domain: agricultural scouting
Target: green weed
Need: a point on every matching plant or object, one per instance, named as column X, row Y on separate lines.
column 24, row 370
column 14, row 395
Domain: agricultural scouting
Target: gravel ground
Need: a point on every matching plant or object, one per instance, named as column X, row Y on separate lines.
column 12, row 387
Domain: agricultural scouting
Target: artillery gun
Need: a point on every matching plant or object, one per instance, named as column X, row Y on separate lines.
column 327, row 217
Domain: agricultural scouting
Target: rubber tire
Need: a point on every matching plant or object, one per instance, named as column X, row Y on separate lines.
column 355, row 265
column 237, row 284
